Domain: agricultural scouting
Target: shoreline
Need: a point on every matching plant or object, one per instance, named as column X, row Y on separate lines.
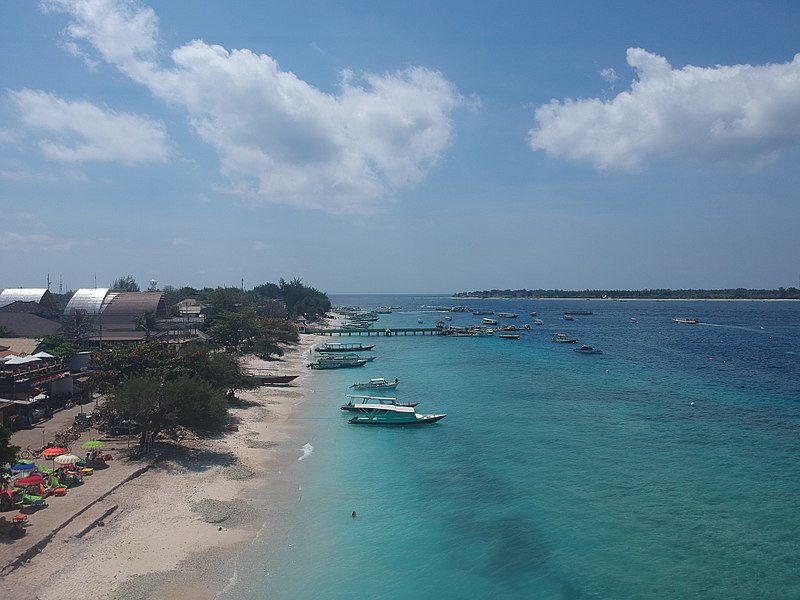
column 176, row 530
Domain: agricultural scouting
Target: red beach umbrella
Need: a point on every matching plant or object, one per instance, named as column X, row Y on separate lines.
column 53, row 452
column 30, row 480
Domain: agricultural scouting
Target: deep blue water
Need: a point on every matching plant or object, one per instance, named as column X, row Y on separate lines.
column 667, row 467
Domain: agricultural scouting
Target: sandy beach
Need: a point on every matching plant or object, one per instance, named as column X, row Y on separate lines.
column 172, row 527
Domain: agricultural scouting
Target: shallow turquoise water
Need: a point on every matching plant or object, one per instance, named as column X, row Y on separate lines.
column 555, row 475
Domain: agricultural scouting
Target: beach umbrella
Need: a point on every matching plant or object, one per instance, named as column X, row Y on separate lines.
column 23, row 467
column 67, row 459
column 93, row 444
column 53, row 452
column 30, row 480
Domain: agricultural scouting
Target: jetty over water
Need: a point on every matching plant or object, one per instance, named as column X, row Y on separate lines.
column 389, row 331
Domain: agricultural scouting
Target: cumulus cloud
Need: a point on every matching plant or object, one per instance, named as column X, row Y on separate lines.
column 85, row 132
column 279, row 138
column 742, row 112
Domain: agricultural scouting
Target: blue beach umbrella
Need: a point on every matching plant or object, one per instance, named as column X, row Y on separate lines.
column 23, row 467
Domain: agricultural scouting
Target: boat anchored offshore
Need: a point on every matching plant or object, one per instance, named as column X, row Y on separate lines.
column 563, row 338
column 586, row 349
column 339, row 361
column 357, row 401
column 381, row 411
column 329, row 347
column 376, row 383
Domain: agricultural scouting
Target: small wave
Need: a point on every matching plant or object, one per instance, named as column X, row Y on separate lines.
column 307, row 450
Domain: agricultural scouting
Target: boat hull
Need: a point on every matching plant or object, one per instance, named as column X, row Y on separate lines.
column 275, row 379
column 419, row 420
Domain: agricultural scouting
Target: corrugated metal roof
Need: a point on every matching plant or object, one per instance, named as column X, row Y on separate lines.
column 135, row 303
column 88, row 299
column 9, row 295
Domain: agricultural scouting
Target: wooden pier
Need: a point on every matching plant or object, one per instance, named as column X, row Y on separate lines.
column 389, row 331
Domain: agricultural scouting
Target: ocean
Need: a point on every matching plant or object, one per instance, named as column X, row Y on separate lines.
column 667, row 467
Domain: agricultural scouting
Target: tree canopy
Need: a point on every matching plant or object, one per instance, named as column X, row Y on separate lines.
column 125, row 284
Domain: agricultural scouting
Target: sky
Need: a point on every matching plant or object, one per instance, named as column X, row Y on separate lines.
column 400, row 147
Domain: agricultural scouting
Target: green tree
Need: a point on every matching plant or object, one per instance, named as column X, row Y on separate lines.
column 232, row 329
column 147, row 322
column 125, row 284
column 78, row 325
column 5, row 331
column 57, row 345
column 8, row 453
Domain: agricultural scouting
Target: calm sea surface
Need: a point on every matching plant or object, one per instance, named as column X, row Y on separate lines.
column 668, row 467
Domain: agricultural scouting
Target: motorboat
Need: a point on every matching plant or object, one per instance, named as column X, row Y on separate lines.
column 356, row 402
column 339, row 361
column 330, row 347
column 568, row 317
column 538, row 322
column 533, row 313
column 378, row 411
column 578, row 312
column 563, row 338
column 634, row 320
column 586, row 349
column 489, row 321
column 686, row 320
column 509, row 336
column 376, row 383
column 460, row 309
column 482, row 312
column 507, row 315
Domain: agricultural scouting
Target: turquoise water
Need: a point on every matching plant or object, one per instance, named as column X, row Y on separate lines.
column 554, row 475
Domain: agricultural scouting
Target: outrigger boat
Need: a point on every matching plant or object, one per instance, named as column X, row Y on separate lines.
column 357, row 401
column 343, row 347
column 376, row 383
column 375, row 412
column 339, row 361
column 270, row 379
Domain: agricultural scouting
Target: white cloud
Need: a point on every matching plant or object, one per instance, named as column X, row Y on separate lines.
column 85, row 132
column 743, row 112
column 609, row 75
column 260, row 246
column 279, row 138
column 12, row 240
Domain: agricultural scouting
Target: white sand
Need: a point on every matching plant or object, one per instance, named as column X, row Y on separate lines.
column 177, row 528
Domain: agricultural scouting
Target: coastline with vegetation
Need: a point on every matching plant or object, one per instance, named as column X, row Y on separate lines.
column 781, row 293
column 168, row 518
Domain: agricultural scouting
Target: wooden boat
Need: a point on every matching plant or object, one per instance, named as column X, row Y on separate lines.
column 374, row 412
column 343, row 347
column 376, row 383
column 338, row 361
column 357, row 401
column 270, row 379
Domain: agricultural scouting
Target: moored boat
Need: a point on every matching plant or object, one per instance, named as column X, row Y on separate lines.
column 508, row 315
column 376, row 383
column 509, row 336
column 489, row 321
column 270, row 379
column 563, row 338
column 339, row 361
column 330, row 347
column 538, row 322
column 586, row 349
column 568, row 317
column 356, row 402
column 373, row 412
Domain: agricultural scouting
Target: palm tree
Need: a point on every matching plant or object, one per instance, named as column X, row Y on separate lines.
column 147, row 322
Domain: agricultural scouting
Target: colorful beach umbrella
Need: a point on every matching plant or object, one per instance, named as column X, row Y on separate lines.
column 23, row 467
column 67, row 459
column 53, row 452
column 93, row 444
column 30, row 480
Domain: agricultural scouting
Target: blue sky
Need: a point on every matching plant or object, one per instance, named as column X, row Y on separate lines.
column 419, row 147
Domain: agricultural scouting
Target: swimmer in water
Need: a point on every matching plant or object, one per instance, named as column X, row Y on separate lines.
column 353, row 514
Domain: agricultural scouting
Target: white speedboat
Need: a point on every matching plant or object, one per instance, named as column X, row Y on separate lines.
column 376, row 383
column 686, row 320
column 538, row 322
column 489, row 321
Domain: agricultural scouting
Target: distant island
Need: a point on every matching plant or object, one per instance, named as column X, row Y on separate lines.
column 781, row 293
